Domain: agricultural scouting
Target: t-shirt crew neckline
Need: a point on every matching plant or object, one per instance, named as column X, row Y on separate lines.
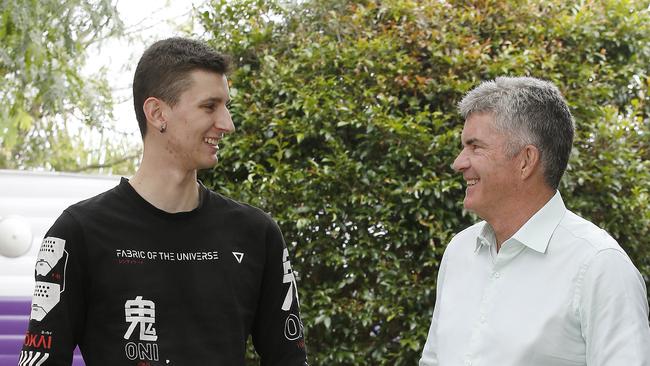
column 139, row 201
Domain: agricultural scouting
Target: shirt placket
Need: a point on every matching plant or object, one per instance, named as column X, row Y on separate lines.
column 496, row 271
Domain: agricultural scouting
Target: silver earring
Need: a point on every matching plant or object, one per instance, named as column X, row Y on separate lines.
column 163, row 127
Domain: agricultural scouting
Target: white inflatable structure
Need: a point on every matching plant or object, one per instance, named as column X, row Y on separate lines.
column 15, row 236
column 29, row 204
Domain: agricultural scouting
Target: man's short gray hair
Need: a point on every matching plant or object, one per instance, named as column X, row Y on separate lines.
column 529, row 111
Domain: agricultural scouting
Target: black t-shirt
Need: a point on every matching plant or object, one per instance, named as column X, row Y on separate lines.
column 135, row 285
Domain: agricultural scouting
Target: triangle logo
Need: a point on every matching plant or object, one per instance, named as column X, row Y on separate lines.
column 239, row 256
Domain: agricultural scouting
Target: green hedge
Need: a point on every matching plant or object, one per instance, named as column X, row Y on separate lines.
column 347, row 126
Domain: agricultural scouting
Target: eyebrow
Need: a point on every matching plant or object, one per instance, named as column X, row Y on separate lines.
column 471, row 141
column 214, row 100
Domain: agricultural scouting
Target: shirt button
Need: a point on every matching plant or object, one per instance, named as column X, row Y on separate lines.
column 496, row 274
column 483, row 319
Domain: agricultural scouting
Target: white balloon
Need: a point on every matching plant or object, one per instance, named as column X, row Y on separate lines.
column 15, row 236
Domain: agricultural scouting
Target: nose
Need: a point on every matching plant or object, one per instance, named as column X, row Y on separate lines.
column 461, row 162
column 224, row 123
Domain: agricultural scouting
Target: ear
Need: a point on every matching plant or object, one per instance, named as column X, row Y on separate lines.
column 154, row 111
column 530, row 161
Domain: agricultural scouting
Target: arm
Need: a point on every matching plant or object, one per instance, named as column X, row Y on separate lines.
column 430, row 352
column 278, row 331
column 57, row 313
column 614, row 312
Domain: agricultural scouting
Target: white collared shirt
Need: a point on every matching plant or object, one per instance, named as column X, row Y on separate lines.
column 560, row 291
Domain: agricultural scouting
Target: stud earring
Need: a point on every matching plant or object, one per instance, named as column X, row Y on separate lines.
column 163, row 127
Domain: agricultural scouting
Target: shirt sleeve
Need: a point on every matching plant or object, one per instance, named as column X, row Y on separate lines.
column 614, row 312
column 430, row 352
column 278, row 330
column 57, row 311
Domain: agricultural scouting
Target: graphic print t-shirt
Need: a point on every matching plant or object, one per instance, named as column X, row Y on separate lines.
column 134, row 285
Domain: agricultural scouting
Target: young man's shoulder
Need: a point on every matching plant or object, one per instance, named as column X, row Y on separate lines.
column 100, row 201
column 72, row 221
column 238, row 210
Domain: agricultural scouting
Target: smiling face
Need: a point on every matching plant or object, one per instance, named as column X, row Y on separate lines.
column 492, row 176
column 199, row 120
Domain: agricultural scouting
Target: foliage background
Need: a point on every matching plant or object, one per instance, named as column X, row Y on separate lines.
column 52, row 115
column 347, row 125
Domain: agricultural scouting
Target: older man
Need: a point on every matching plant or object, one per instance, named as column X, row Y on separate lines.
column 533, row 284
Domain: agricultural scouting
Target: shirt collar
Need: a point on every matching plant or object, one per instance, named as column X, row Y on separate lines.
column 536, row 232
column 486, row 237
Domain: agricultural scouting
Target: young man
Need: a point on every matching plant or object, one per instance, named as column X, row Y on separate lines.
column 160, row 270
column 534, row 284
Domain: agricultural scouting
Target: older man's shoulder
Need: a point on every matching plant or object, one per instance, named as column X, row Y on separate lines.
column 586, row 234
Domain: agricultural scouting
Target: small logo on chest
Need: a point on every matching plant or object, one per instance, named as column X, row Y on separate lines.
column 239, row 256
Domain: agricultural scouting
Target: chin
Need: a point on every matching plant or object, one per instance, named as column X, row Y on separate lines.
column 470, row 206
column 467, row 204
column 207, row 164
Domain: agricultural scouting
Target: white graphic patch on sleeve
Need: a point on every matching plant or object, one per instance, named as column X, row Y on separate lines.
column 289, row 278
column 46, row 296
column 31, row 358
column 51, row 252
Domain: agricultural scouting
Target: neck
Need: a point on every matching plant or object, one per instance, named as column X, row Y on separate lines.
column 169, row 188
column 518, row 213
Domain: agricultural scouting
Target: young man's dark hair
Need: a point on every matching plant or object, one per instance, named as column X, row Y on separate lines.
column 163, row 71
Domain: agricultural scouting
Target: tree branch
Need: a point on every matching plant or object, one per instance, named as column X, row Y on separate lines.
column 105, row 165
